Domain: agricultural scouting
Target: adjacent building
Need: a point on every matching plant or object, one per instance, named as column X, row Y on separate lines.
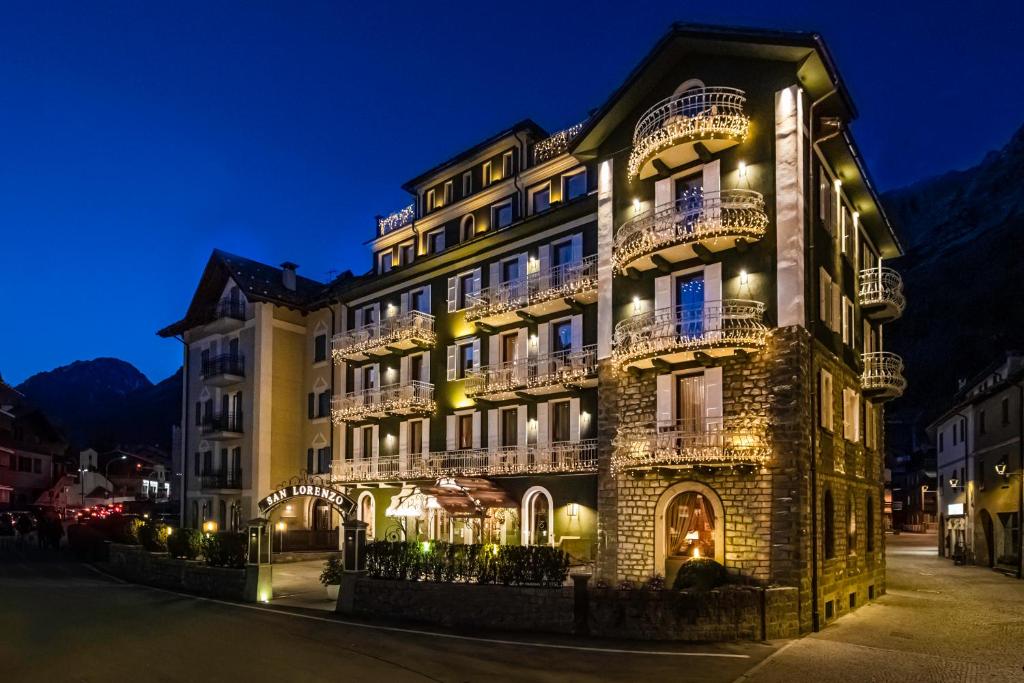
column 32, row 454
column 655, row 335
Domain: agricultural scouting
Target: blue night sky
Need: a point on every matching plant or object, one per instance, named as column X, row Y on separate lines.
column 137, row 136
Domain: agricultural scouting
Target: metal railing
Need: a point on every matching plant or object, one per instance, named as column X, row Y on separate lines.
column 566, row 456
column 559, row 368
column 563, row 280
column 690, row 443
column 409, row 397
column 694, row 114
column 223, row 364
column 697, row 217
column 883, row 372
column 728, row 323
column 882, row 287
column 221, row 479
column 229, row 308
column 221, row 422
column 414, row 325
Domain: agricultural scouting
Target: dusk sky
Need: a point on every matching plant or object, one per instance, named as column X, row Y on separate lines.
column 137, row 136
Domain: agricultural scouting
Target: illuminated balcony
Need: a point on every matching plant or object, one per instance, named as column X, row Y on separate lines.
column 684, row 334
column 881, row 293
column 228, row 316
column 223, row 370
column 221, row 426
column 556, row 372
column 555, row 458
column 692, row 226
column 686, row 443
column 413, row 398
column 542, row 293
column 667, row 135
column 882, row 378
column 396, row 334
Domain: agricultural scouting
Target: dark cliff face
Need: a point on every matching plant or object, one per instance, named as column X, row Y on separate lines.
column 963, row 274
column 105, row 402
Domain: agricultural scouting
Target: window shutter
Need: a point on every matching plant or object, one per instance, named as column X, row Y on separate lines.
column 713, row 396
column 713, row 282
column 711, row 176
column 542, row 424
column 310, row 405
column 453, row 294
column 309, row 460
column 574, row 419
column 425, row 369
column 427, row 299
column 403, row 371
column 662, row 193
column 521, row 421
column 492, row 429
column 664, row 399
column 376, row 312
column 663, row 294
column 452, row 351
column 825, row 396
column 577, row 333
column 824, row 294
column 544, row 259
column 376, row 441
column 476, row 429
column 476, row 353
column 577, row 247
column 476, row 281
column 426, row 436
column 450, row 436
column 494, row 276
column 543, row 345
column 357, row 443
column 836, row 306
column 494, row 350
column 404, row 302
column 522, row 265
column 403, row 438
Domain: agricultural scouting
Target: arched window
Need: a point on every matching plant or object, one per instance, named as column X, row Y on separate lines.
column 367, row 512
column 851, row 527
column 467, row 228
column 537, row 519
column 829, row 525
column 689, row 522
column 869, row 510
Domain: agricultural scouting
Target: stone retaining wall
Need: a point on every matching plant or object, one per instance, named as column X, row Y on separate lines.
column 134, row 563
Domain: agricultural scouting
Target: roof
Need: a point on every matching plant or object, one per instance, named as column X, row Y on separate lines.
column 963, row 398
column 259, row 282
column 525, row 125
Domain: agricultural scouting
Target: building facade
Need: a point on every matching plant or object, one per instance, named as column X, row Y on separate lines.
column 653, row 336
column 32, row 454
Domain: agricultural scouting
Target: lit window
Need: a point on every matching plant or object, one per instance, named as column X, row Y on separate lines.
column 574, row 186
column 465, row 360
column 506, row 165
column 408, row 253
column 465, row 289
column 449, row 193
column 501, row 216
column 430, row 200
column 467, row 183
column 465, row 431
column 487, row 174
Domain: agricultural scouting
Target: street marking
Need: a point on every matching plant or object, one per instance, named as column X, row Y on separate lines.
column 450, row 636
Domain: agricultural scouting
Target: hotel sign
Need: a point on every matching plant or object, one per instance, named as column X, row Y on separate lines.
column 954, row 509
column 339, row 500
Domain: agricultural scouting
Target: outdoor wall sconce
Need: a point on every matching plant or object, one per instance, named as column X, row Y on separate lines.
column 743, row 278
column 954, row 483
column 209, row 527
column 742, row 170
column 572, row 509
column 1001, row 469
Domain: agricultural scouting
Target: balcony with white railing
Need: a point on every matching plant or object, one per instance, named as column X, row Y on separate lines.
column 694, row 225
column 882, row 378
column 690, row 443
column 559, row 457
column 683, row 334
column 881, row 293
column 667, row 133
column 409, row 330
column 411, row 398
column 541, row 293
column 552, row 373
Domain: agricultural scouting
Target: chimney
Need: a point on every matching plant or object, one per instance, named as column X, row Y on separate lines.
column 288, row 275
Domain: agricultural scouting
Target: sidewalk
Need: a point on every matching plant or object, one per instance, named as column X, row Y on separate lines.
column 937, row 622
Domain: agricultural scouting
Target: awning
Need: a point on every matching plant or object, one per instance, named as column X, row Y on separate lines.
column 411, row 502
column 470, row 497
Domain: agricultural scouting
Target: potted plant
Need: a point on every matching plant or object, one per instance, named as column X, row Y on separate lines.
column 330, row 577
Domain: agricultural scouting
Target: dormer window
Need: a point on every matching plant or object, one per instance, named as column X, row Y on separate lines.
column 540, row 198
column 506, row 165
column 430, row 200
column 487, row 174
column 435, row 242
column 467, row 183
column 387, row 262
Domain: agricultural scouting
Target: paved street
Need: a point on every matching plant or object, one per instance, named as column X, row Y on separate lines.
column 938, row 622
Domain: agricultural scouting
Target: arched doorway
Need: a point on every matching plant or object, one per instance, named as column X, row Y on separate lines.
column 689, row 523
column 367, row 512
column 537, row 517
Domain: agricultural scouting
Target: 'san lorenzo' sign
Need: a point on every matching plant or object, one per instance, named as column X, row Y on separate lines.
column 339, row 500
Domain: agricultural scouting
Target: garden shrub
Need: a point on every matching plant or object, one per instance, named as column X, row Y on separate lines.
column 331, row 574
column 225, row 549
column 699, row 574
column 87, row 543
column 153, row 536
column 184, row 543
column 455, row 562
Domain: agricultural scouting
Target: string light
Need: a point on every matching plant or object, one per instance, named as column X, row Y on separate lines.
column 396, row 220
column 741, row 444
column 566, row 280
column 395, row 399
column 413, row 326
column 552, row 146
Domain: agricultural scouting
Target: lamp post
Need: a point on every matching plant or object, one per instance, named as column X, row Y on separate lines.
column 106, row 472
column 280, row 526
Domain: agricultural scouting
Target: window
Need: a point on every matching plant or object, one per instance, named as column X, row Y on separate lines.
column 574, row 185
column 24, row 464
column 825, row 297
column 367, row 437
column 689, row 527
column 509, row 427
column 510, row 270
column 309, row 461
column 418, row 301
column 942, row 442
column 449, row 193
column 561, row 336
column 501, row 215
column 981, row 473
column 829, row 525
column 465, row 431
column 467, row 183
column 851, row 415
column 848, row 322
column 690, row 407
column 825, row 394
column 323, row 460
column 387, row 262
column 435, row 242
column 506, row 165
column 540, row 199
column 467, row 228
column 407, row 253
column 465, row 289
column 415, row 368
column 430, row 201
column 324, row 404
column 369, row 376
column 851, row 528
column 416, row 436
column 311, row 405
column 560, row 430
column 561, row 253
column 320, row 348
column 981, row 422
column 487, row 179
column 1006, row 411
column 509, row 347
column 465, row 364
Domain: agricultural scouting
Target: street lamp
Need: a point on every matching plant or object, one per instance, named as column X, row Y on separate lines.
column 106, row 472
column 280, row 526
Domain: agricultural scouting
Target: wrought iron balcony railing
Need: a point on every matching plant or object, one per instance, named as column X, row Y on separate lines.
column 229, row 308
column 561, row 369
column 881, row 293
column 558, row 457
column 221, row 479
column 402, row 331
column 707, row 114
column 715, row 220
column 394, row 399
column 223, row 364
column 883, row 375
column 571, row 279
column 690, row 443
column 212, row 424
column 677, row 333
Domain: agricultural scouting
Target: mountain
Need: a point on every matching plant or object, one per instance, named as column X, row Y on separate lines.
column 964, row 237
column 106, row 402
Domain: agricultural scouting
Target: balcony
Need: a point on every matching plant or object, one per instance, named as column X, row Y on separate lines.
column 409, row 330
column 687, row 443
column 542, row 293
column 881, row 293
column 223, row 370
column 228, row 316
column 882, row 378
column 221, row 479
column 667, row 135
column 559, row 457
column 680, row 335
column 413, row 398
column 557, row 372
column 221, row 426
column 693, row 226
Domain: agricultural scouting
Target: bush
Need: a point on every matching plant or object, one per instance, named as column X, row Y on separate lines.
column 87, row 543
column 331, row 575
column 699, row 574
column 119, row 529
column 153, row 536
column 184, row 543
column 225, row 549
column 449, row 562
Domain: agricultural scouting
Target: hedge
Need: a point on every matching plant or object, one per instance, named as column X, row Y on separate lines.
column 225, row 549
column 184, row 543
column 509, row 565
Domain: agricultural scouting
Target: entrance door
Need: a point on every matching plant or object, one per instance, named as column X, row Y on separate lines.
column 690, row 410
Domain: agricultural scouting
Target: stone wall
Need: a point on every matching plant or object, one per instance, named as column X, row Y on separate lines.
column 133, row 563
